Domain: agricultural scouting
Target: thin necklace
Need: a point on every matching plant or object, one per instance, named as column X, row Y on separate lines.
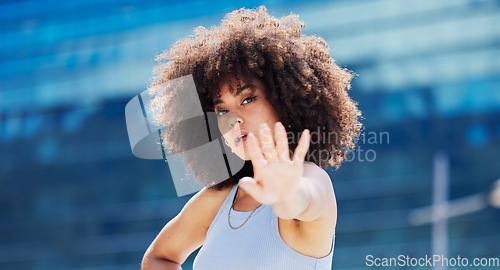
column 229, row 213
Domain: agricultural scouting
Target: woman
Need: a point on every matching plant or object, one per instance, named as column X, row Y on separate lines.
column 276, row 84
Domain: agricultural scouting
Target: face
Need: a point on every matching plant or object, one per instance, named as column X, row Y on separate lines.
column 243, row 112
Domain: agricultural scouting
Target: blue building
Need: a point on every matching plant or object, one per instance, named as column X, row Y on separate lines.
column 73, row 196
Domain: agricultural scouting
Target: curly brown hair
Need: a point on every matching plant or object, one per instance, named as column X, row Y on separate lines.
column 304, row 84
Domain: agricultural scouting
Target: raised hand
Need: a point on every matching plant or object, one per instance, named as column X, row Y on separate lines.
column 276, row 176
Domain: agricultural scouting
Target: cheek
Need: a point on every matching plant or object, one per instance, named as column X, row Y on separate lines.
column 228, row 138
column 259, row 116
column 269, row 114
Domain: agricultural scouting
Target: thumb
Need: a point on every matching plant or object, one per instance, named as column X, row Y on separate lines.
column 249, row 185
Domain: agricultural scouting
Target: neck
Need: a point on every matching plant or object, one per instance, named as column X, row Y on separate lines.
column 243, row 202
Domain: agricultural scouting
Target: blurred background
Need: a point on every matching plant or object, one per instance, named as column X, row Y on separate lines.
column 73, row 196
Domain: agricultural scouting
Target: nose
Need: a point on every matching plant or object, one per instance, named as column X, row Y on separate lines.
column 235, row 119
column 228, row 121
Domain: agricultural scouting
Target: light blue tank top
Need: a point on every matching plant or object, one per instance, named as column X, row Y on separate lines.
column 256, row 245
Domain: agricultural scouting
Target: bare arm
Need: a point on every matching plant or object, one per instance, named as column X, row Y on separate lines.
column 313, row 199
column 156, row 263
column 295, row 189
column 300, row 193
column 184, row 233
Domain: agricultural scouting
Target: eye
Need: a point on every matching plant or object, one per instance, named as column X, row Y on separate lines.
column 221, row 112
column 248, row 100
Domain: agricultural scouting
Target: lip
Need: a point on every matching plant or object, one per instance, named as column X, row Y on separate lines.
column 237, row 135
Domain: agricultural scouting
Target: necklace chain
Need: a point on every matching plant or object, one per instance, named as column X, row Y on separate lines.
column 229, row 213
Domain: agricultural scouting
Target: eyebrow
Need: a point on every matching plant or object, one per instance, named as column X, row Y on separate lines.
column 238, row 92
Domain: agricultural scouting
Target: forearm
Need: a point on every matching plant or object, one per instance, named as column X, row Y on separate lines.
column 159, row 264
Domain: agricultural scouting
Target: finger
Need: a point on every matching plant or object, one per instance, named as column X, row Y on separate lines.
column 249, row 185
column 267, row 142
column 254, row 151
column 302, row 147
column 281, row 142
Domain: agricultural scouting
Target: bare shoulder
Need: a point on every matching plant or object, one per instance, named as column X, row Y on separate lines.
column 207, row 202
column 187, row 231
column 312, row 169
column 203, row 207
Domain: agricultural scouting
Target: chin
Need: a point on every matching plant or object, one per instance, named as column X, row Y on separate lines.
column 243, row 156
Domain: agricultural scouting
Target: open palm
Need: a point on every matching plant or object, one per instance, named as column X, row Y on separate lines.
column 276, row 176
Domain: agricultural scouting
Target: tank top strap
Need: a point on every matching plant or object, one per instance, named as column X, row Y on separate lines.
column 225, row 207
